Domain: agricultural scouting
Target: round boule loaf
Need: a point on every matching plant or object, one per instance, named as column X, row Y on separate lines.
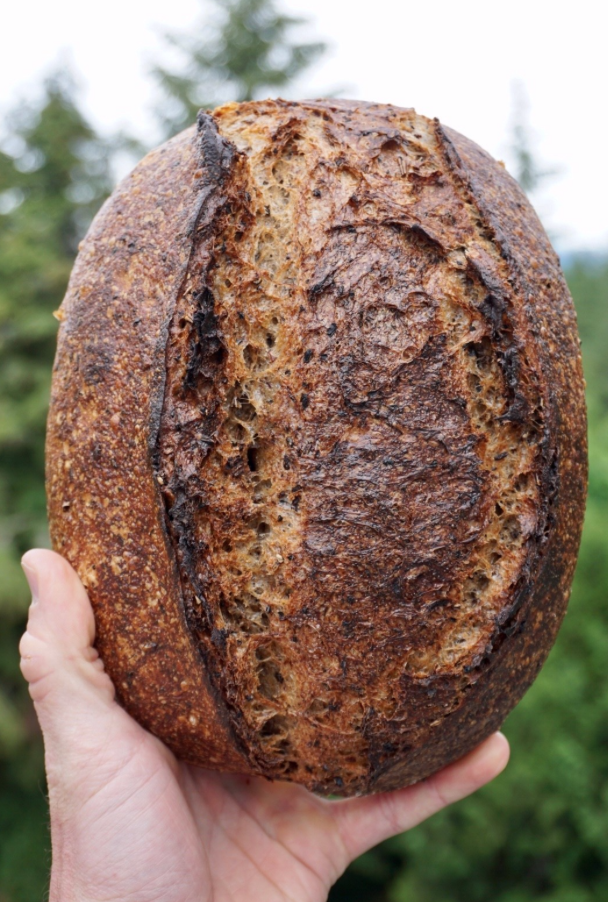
column 317, row 443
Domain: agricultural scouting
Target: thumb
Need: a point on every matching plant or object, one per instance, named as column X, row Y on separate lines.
column 66, row 677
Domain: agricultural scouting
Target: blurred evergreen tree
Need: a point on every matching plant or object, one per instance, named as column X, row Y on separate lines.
column 53, row 177
column 243, row 51
column 528, row 171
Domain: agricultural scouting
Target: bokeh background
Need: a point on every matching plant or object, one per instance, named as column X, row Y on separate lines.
column 84, row 91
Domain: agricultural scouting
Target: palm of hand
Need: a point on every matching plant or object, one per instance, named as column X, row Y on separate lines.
column 131, row 823
column 176, row 832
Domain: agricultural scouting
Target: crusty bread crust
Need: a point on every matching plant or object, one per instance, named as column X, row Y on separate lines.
column 318, row 383
column 104, row 504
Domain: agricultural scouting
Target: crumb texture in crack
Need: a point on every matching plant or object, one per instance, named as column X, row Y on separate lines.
column 349, row 447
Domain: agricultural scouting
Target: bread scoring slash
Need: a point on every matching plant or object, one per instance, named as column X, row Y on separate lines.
column 317, row 442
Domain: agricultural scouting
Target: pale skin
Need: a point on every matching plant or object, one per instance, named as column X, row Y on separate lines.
column 130, row 823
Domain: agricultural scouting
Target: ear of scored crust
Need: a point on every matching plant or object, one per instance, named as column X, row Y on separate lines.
column 104, row 505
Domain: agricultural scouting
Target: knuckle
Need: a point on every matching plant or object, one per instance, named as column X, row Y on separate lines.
column 33, row 664
column 26, row 646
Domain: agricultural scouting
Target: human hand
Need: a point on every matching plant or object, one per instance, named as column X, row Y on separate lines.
column 131, row 823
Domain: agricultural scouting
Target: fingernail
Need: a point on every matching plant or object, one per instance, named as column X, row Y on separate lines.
column 32, row 577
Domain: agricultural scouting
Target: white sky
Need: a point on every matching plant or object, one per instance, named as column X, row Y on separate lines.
column 456, row 60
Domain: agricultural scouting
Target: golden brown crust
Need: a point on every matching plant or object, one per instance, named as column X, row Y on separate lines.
column 357, row 382
column 104, row 505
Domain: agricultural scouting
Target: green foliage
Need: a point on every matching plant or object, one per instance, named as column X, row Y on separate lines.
column 51, row 183
column 53, row 176
column 242, row 53
column 588, row 281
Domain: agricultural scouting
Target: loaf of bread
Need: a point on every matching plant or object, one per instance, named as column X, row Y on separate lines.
column 316, row 444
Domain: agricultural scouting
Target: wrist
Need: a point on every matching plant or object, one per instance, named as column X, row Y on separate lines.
column 62, row 882
column 63, row 885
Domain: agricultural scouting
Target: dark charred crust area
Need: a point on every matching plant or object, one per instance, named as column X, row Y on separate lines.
column 530, row 623
column 358, row 467
column 190, row 415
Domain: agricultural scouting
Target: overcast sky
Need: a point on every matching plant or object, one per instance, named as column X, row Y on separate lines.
column 454, row 60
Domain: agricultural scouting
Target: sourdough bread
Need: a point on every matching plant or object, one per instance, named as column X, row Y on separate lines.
column 316, row 444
